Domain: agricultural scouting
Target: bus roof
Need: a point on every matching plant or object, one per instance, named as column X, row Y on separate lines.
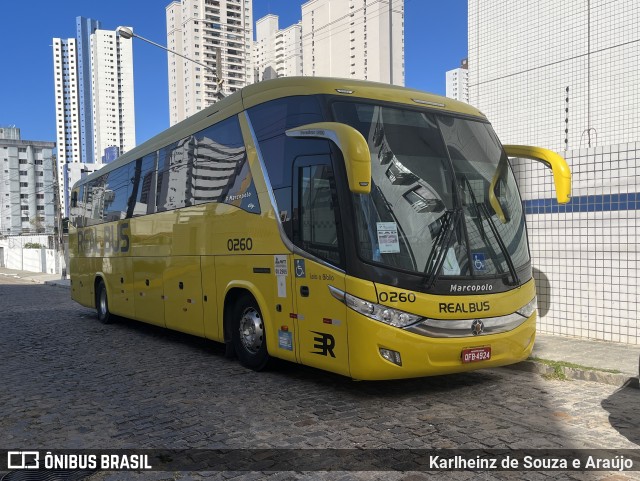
column 267, row 90
column 287, row 86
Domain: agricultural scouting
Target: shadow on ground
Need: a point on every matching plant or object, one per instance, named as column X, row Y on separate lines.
column 623, row 407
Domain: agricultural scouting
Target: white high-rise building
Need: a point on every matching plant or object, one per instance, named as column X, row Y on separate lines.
column 566, row 76
column 277, row 53
column 457, row 86
column 93, row 78
column 67, row 100
column 113, row 100
column 359, row 39
column 200, row 30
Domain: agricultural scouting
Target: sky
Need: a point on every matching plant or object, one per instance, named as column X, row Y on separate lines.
column 435, row 41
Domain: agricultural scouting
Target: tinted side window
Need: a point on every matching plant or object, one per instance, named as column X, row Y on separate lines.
column 316, row 221
column 95, row 200
column 117, row 189
column 209, row 166
column 174, row 170
column 144, row 192
column 77, row 207
column 221, row 171
column 270, row 121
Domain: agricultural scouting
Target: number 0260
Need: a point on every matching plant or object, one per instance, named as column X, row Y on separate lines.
column 396, row 297
column 244, row 244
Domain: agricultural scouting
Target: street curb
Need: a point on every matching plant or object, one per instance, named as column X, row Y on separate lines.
column 57, row 284
column 612, row 379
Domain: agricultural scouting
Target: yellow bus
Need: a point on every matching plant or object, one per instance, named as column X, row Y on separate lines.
column 369, row 230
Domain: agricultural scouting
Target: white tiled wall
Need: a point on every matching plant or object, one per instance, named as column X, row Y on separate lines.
column 565, row 75
column 524, row 55
column 587, row 264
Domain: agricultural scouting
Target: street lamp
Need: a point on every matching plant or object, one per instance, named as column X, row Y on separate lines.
column 127, row 33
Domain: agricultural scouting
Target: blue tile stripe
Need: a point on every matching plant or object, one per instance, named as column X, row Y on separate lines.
column 584, row 203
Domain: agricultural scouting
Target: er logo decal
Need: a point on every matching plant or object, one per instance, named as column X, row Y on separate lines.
column 324, row 343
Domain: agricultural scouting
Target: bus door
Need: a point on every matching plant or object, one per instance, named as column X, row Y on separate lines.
column 322, row 327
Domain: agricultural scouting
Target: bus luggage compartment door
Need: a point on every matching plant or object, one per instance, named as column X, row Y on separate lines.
column 149, row 291
column 183, row 295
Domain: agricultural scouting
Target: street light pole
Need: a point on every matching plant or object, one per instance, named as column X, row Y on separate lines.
column 127, row 33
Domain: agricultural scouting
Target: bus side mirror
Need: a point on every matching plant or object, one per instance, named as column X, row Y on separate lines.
column 559, row 167
column 351, row 143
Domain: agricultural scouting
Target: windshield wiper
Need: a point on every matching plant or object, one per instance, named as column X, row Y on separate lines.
column 482, row 211
column 503, row 247
column 479, row 216
column 441, row 243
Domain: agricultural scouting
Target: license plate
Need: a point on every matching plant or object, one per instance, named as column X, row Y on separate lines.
column 476, row 354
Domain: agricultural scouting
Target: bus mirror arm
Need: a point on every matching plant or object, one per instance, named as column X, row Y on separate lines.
column 351, row 143
column 493, row 200
column 559, row 167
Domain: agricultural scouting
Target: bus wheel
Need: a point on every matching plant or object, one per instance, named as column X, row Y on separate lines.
column 102, row 304
column 249, row 337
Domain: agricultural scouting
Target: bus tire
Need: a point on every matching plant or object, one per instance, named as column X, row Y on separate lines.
column 102, row 304
column 248, row 334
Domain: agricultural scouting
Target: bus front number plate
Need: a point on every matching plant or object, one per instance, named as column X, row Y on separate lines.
column 476, row 354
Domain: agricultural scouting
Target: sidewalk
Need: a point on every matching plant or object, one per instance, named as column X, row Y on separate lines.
column 555, row 356
column 37, row 277
column 587, row 360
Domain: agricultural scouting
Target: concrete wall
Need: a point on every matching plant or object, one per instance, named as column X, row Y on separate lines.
column 15, row 256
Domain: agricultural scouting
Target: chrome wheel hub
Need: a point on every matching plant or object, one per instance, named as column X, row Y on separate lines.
column 251, row 330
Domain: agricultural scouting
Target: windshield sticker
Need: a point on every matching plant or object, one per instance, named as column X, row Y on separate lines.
column 478, row 261
column 300, row 268
column 281, row 265
column 451, row 266
column 388, row 237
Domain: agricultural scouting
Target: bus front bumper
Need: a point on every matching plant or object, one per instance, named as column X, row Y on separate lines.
column 421, row 356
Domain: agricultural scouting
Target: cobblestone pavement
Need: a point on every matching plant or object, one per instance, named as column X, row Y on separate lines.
column 70, row 382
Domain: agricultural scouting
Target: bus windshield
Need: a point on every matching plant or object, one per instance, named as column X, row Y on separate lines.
column 430, row 209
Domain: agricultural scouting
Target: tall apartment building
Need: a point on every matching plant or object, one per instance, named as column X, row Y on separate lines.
column 199, row 29
column 84, row 28
column 457, row 82
column 26, row 184
column 277, row 53
column 113, row 99
column 93, row 77
column 359, row 39
column 566, row 76
column 69, row 139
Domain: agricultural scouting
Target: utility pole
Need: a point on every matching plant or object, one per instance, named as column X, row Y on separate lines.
column 59, row 235
column 390, row 42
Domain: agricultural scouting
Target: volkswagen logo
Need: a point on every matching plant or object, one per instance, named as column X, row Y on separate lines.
column 477, row 327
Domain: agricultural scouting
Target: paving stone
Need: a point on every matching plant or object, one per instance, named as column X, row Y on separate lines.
column 71, row 382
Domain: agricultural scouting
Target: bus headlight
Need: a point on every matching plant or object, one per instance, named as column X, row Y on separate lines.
column 388, row 315
column 528, row 309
